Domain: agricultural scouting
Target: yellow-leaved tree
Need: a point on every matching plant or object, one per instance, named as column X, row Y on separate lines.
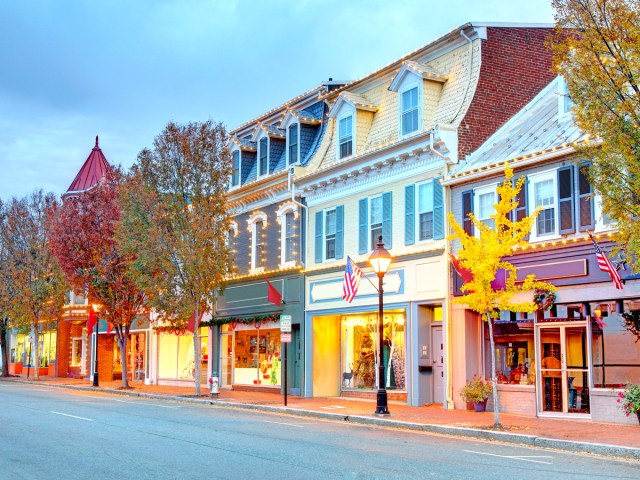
column 484, row 254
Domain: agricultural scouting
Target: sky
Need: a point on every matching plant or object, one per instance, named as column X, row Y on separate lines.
column 122, row 70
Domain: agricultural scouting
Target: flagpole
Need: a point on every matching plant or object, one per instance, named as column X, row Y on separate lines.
column 364, row 275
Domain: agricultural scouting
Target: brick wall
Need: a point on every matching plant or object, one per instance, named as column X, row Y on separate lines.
column 105, row 357
column 516, row 65
column 63, row 348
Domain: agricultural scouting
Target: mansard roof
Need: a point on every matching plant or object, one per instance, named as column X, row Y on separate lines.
column 95, row 169
column 537, row 129
column 273, row 131
column 353, row 99
column 411, row 67
column 245, row 144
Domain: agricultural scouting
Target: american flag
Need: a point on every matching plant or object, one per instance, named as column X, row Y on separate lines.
column 605, row 264
column 352, row 276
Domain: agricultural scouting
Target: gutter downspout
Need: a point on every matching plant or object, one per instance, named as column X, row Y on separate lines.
column 469, row 65
column 448, row 388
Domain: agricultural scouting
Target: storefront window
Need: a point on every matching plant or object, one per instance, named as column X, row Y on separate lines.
column 46, row 344
column 360, row 351
column 175, row 354
column 515, row 352
column 257, row 356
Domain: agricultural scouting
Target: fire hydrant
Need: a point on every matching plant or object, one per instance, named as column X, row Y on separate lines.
column 214, row 382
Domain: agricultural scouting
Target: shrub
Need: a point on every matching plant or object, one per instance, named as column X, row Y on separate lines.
column 630, row 399
column 476, row 390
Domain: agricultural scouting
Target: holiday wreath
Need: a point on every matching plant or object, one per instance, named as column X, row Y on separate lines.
column 544, row 298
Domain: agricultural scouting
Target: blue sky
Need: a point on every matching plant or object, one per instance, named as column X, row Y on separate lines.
column 123, row 69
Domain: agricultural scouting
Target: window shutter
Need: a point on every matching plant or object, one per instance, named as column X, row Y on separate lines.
column 438, row 210
column 467, row 208
column 521, row 210
column 319, row 244
column 340, row 231
column 565, row 198
column 363, row 226
column 409, row 214
column 387, row 233
column 585, row 200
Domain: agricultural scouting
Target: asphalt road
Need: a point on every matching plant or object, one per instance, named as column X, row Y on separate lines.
column 46, row 433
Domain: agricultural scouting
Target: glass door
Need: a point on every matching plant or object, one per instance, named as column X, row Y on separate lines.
column 226, row 358
column 563, row 373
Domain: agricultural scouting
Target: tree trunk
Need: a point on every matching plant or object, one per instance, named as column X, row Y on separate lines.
column 4, row 331
column 36, row 353
column 196, row 350
column 122, row 343
column 494, row 382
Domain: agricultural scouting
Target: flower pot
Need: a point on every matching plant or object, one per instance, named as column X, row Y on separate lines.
column 480, row 406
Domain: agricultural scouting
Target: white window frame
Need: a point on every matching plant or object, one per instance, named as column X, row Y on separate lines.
column 477, row 193
column 418, row 212
column 78, row 342
column 253, row 221
column 532, row 180
column 347, row 113
column 258, row 159
column 297, row 145
column 325, row 212
column 405, row 88
column 373, row 241
column 281, row 218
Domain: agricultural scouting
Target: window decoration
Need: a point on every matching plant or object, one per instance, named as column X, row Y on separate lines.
column 544, row 298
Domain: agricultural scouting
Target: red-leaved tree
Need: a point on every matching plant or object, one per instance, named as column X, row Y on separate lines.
column 82, row 238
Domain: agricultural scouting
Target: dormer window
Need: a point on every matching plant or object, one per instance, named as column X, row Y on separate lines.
column 410, row 110
column 263, row 157
column 564, row 100
column 345, row 136
column 235, row 174
column 292, row 139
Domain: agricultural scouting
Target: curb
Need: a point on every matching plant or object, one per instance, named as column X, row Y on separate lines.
column 505, row 437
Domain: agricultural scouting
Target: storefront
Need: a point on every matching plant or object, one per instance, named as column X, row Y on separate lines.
column 22, row 352
column 176, row 359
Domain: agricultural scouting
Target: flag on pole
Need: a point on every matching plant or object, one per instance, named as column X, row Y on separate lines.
column 465, row 274
column 273, row 295
column 93, row 319
column 351, row 283
column 605, row 264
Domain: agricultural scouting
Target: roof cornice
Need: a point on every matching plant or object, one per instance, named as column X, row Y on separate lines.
column 257, row 190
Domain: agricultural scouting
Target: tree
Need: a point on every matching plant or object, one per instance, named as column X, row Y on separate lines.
column 37, row 285
column 175, row 222
column 484, row 254
column 6, row 294
column 597, row 52
column 83, row 240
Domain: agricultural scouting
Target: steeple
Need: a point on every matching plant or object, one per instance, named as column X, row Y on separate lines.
column 95, row 169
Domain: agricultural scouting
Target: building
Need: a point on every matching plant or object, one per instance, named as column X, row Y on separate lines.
column 391, row 137
column 566, row 360
column 267, row 231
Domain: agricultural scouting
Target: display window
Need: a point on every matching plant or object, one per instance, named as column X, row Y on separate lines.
column 360, row 352
column 176, row 358
column 22, row 353
column 256, row 356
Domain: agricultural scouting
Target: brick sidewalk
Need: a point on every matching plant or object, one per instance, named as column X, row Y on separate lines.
column 569, row 430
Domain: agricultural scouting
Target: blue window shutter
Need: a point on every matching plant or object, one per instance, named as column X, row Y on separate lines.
column 409, row 214
column 318, row 253
column 340, row 231
column 586, row 214
column 363, row 226
column 386, row 220
column 438, row 210
column 565, row 200
column 467, row 208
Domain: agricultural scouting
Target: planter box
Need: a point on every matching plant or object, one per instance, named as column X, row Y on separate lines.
column 15, row 368
column 606, row 409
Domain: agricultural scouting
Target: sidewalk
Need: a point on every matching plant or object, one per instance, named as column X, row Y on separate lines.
column 572, row 435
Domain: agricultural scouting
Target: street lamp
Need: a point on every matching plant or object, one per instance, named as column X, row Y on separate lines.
column 96, row 308
column 380, row 259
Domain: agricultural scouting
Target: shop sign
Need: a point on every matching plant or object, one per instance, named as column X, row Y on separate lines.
column 285, row 323
column 285, row 337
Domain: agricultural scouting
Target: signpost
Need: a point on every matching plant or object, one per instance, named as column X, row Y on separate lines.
column 285, row 337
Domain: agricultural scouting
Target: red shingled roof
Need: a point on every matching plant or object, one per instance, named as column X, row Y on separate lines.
column 95, row 169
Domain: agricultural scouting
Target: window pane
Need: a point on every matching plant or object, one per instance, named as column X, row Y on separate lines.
column 376, row 233
column 345, row 127
column 330, row 222
column 425, row 197
column 410, row 121
column 346, row 149
column 235, row 176
column 264, row 154
column 426, row 226
column 486, row 202
column 544, row 193
column 376, row 210
column 293, row 143
column 546, row 222
column 410, row 99
column 331, row 247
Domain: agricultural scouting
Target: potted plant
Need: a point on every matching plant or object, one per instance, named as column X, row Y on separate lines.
column 477, row 390
column 630, row 400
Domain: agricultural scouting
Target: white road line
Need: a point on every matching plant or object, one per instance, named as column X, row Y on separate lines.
column 72, row 416
column 524, row 458
column 282, row 423
column 150, row 404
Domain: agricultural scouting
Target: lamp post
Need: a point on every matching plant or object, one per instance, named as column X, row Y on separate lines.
column 380, row 259
column 96, row 308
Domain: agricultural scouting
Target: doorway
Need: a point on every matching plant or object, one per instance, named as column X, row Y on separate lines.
column 437, row 347
column 563, row 376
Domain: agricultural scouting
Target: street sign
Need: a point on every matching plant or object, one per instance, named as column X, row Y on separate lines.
column 285, row 323
column 285, row 337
